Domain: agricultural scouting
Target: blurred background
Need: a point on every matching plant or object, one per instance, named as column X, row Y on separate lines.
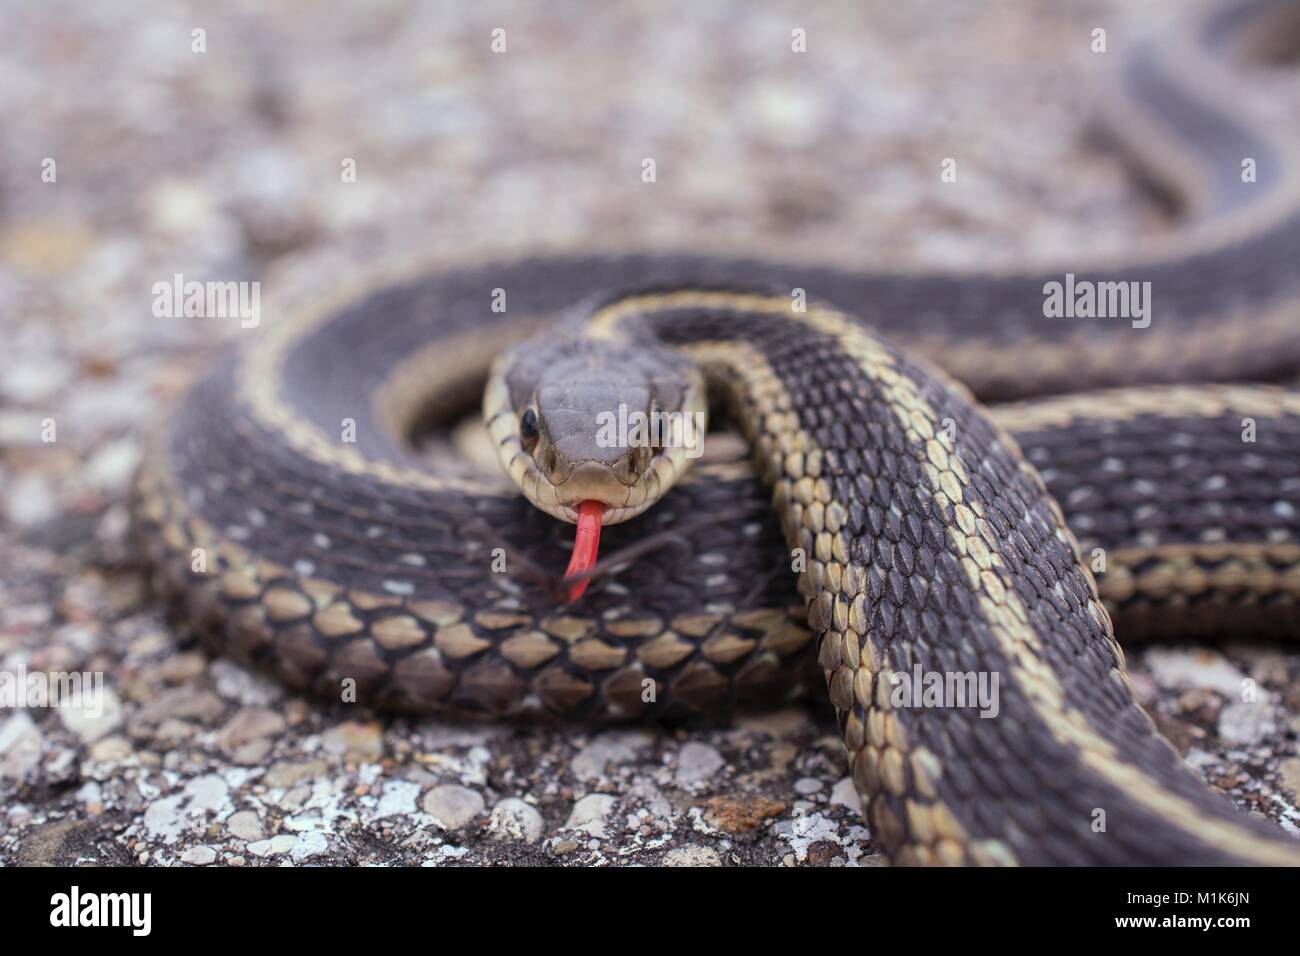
column 226, row 163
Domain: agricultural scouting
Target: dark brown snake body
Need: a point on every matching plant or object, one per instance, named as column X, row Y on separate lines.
column 287, row 512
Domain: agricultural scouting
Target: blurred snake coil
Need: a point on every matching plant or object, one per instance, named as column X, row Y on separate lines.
column 940, row 536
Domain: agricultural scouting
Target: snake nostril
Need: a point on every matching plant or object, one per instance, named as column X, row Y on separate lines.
column 549, row 460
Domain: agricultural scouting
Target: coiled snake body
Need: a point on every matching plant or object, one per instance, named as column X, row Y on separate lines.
column 288, row 513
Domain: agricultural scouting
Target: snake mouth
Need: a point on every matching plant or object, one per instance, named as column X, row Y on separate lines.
column 586, row 546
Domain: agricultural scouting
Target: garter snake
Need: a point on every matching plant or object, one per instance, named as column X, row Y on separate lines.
column 287, row 511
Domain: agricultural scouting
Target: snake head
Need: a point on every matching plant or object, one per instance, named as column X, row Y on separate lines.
column 578, row 419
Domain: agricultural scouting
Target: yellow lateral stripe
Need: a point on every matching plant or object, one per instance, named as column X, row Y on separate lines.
column 1259, row 568
column 788, row 456
column 1125, row 404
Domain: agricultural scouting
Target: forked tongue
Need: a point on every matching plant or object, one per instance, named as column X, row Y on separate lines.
column 586, row 544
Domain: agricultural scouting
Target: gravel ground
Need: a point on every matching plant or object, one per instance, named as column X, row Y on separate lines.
column 226, row 164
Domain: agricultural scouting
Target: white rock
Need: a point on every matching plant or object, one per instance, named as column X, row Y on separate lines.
column 111, row 467
column 1246, row 723
column 240, row 684
column 362, row 740
column 20, row 746
column 274, row 846
column 846, row 795
column 697, row 763
column 90, row 792
column 164, row 819
column 444, row 853
column 309, row 844
column 94, row 722
column 199, row 856
column 1197, row 667
column 207, row 794
column 246, row 826
column 437, row 734
column 786, row 112
column 590, row 814
column 616, row 747
column 453, row 806
column 30, row 501
column 514, row 819
column 30, row 382
column 398, row 799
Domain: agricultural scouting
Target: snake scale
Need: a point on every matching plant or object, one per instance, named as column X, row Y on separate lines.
column 289, row 514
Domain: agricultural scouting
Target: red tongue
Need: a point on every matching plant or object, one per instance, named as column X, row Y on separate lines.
column 585, row 545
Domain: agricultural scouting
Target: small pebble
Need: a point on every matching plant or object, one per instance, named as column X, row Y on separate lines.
column 514, row 819
column 355, row 739
column 199, row 856
column 692, row 856
column 453, row 806
column 590, row 814
column 697, row 763
column 246, row 826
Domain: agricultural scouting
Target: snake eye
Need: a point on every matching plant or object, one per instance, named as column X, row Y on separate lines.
column 528, row 430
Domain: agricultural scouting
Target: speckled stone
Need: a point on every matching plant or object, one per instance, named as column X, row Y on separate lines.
column 514, row 819
column 692, row 856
